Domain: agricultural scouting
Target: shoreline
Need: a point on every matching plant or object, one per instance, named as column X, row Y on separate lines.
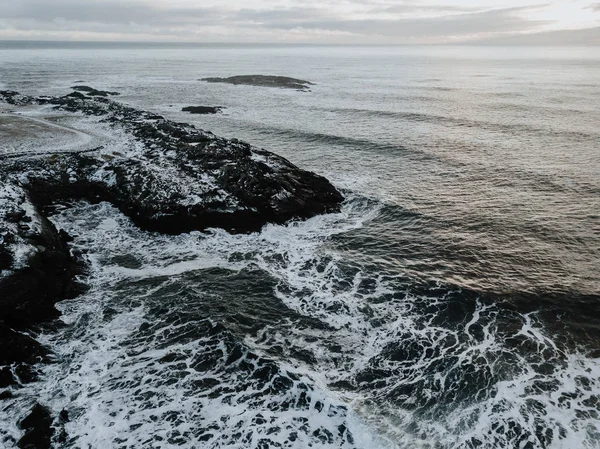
column 228, row 184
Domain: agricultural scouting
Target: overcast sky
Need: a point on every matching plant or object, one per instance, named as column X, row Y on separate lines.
column 306, row 21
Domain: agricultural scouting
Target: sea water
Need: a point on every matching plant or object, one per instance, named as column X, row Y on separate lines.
column 452, row 303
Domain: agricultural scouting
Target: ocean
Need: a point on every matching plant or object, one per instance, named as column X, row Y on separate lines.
column 454, row 302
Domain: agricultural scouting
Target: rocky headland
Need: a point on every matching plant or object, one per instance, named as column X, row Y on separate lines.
column 170, row 177
column 264, row 81
column 173, row 177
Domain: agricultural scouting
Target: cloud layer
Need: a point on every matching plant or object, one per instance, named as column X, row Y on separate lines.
column 326, row 21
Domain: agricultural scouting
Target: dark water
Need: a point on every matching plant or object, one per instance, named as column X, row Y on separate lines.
column 453, row 303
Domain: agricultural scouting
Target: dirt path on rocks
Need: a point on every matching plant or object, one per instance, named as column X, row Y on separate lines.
column 25, row 135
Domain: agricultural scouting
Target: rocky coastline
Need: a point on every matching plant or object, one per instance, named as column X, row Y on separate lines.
column 173, row 178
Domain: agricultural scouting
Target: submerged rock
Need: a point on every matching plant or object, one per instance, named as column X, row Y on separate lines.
column 202, row 109
column 76, row 95
column 264, row 81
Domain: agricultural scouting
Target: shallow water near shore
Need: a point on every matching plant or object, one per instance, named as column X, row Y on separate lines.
column 452, row 303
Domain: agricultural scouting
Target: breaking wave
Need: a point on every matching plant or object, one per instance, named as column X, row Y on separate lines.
column 284, row 339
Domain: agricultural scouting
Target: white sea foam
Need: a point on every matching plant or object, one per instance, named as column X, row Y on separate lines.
column 120, row 392
column 128, row 375
column 14, row 199
column 101, row 365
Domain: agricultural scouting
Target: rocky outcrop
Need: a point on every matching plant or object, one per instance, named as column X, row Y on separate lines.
column 36, row 271
column 264, row 81
column 76, row 95
column 170, row 177
column 90, row 91
column 15, row 98
column 202, row 109
column 175, row 178
column 38, row 429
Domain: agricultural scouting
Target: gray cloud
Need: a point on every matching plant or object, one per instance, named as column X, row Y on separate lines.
column 587, row 36
column 280, row 15
column 502, row 20
column 415, row 7
column 72, row 10
column 108, row 12
column 131, row 17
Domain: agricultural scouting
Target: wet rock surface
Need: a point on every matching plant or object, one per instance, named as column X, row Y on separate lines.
column 264, row 81
column 36, row 271
column 38, row 429
column 176, row 178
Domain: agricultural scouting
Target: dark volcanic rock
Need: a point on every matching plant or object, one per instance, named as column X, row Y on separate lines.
column 179, row 179
column 264, row 81
column 19, row 353
column 36, row 271
column 83, row 88
column 202, row 109
column 171, row 178
column 15, row 98
column 38, row 429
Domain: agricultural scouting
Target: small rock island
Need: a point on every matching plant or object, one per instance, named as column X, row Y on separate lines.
column 203, row 109
column 283, row 82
